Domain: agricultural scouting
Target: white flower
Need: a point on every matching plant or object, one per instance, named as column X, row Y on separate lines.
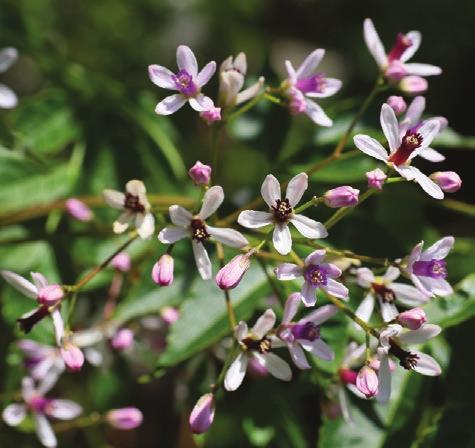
column 282, row 212
column 402, row 149
column 255, row 344
column 185, row 224
column 8, row 99
column 135, row 204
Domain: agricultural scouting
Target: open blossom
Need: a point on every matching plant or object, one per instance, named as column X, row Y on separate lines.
column 232, row 74
column 195, row 226
column 188, row 82
column 391, row 342
column 305, row 333
column 202, row 415
column 282, row 212
column 402, row 149
column 42, row 409
column 394, row 64
column 8, row 98
column 376, row 178
column 305, row 83
column 316, row 274
column 448, row 181
column 428, row 269
column 42, row 361
column 78, row 210
column 256, row 344
column 124, row 418
column 386, row 292
column 135, row 204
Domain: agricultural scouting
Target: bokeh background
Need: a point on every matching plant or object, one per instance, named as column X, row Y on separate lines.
column 85, row 122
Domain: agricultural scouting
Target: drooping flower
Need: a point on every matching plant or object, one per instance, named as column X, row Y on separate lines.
column 428, row 269
column 305, row 333
column 188, row 82
column 376, row 178
column 256, row 344
column 448, row 181
column 41, row 409
column 124, row 418
column 402, row 149
column 304, row 83
column 78, row 210
column 316, row 274
column 8, row 57
column 282, row 212
column 200, row 173
column 135, row 204
column 195, row 226
column 202, row 415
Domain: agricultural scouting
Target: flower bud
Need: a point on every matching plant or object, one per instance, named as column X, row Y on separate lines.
column 78, row 210
column 413, row 319
column 367, row 382
column 376, row 178
column 413, row 85
column 211, row 115
column 162, row 272
column 347, row 376
column 448, row 181
column 123, row 339
column 397, row 104
column 231, row 273
column 344, row 196
column 200, row 173
column 50, row 295
column 169, row 314
column 202, row 415
column 121, row 262
column 124, row 418
column 72, row 356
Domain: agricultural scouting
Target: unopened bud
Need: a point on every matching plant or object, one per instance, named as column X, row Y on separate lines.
column 78, row 210
column 202, row 415
column 211, row 115
column 448, row 181
column 397, row 104
column 376, row 178
column 162, row 272
column 72, row 357
column 121, row 262
column 231, row 273
column 169, row 314
column 124, row 418
column 200, row 173
column 123, row 339
column 344, row 196
column 413, row 319
column 367, row 382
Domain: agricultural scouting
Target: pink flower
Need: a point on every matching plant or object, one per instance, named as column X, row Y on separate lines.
column 8, row 98
column 397, row 104
column 344, row 196
column 169, row 314
column 376, row 178
column 72, row 356
column 78, row 210
column 212, row 115
column 367, row 382
column 162, row 272
column 230, row 275
column 200, row 173
column 121, row 262
column 124, row 418
column 123, row 339
column 412, row 319
column 448, row 181
column 202, row 415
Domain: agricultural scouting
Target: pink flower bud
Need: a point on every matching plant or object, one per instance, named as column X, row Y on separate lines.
column 124, row 418
column 397, row 104
column 121, row 262
column 367, row 382
column 200, row 173
column 50, row 295
column 169, row 314
column 212, row 115
column 344, row 196
column 78, row 210
column 231, row 273
column 162, row 272
column 347, row 376
column 413, row 85
column 448, row 181
column 72, row 357
column 376, row 178
column 202, row 415
column 413, row 319
column 123, row 339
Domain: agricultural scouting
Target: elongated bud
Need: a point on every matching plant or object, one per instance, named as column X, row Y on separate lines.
column 448, row 181
column 211, row 115
column 347, row 376
column 50, row 295
column 344, row 196
column 72, row 356
column 413, row 319
column 413, row 85
column 169, row 314
column 376, row 178
column 397, row 104
column 162, row 272
column 200, row 173
column 202, row 415
column 78, row 210
column 367, row 382
column 123, row 339
column 121, row 262
column 231, row 273
column 125, row 418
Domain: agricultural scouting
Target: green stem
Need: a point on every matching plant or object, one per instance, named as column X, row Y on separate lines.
column 249, row 105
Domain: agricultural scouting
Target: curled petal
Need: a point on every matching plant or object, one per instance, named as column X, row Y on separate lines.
column 415, row 38
column 428, row 185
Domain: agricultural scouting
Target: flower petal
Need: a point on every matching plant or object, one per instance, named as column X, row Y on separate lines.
column 203, row 264
column 422, row 69
column 437, row 286
column 114, row 198
column 8, row 98
column 374, row 44
column 413, row 113
column 145, row 224
column 322, row 314
column 388, row 311
column 409, row 295
column 250, row 92
column 384, row 378
column 426, row 332
column 21, row 284
column 58, row 325
column 44, row 431
column 206, row 73
column 282, row 239
column 336, row 289
column 172, row 234
column 170, row 104
column 309, row 65
column 213, row 198
column 288, row 271
column 365, row 309
column 229, row 237
column 330, row 87
column 308, row 294
column 14, row 414
column 121, row 224
column 440, row 249
column 308, row 227
column 275, row 365
column 318, row 348
column 317, row 114
column 270, row 190
column 235, row 373
column 63, row 409
column 180, row 216
column 264, row 324
column 186, row 60
column 253, row 219
column 161, row 76
column 364, row 277
column 331, row 270
column 390, row 126
column 291, row 307
column 201, row 103
column 426, row 365
column 431, row 155
column 241, row 331
column 39, row 280
column 415, row 37
column 428, row 185
column 8, row 57
column 392, row 273
column 296, row 188
column 298, row 356
column 315, row 257
column 428, row 131
column 370, row 146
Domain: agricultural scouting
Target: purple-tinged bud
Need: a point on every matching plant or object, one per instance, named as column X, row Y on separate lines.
column 344, row 196
column 413, row 318
column 202, row 415
column 50, row 295
column 162, row 272
column 397, row 104
column 123, row 339
column 413, row 85
column 200, row 173
column 124, row 418
column 78, row 210
column 211, row 115
column 367, row 382
column 121, row 262
column 169, row 314
column 229, row 276
column 72, row 356
column 376, row 178
column 347, row 376
column 448, row 181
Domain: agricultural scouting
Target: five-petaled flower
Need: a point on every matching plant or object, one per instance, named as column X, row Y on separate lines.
column 195, row 226
column 282, row 212
column 188, row 82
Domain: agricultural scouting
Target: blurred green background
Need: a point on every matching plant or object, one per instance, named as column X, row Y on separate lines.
column 85, row 122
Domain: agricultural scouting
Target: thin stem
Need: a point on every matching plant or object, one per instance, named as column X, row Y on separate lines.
column 82, row 422
column 227, row 296
column 72, row 306
column 249, row 105
column 314, row 201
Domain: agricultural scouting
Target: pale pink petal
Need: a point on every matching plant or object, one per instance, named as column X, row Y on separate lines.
column 121, row 224
column 374, row 44
column 236, row 372
column 161, row 76
column 172, row 234
column 437, row 286
column 135, row 187
column 8, row 57
column 318, row 348
column 345, row 407
column 331, row 270
column 170, row 104
column 186, row 60
column 21, row 284
column 14, row 414
column 316, row 257
column 296, row 188
column 203, row 264
column 426, row 332
column 276, row 366
column 180, row 216
column 63, row 409
column 39, row 280
column 28, row 388
column 426, row 365
column 415, row 37
column 288, row 271
column 431, row 155
column 241, row 331
column 201, row 103
column 213, row 198
column 316, row 114
column 370, row 146
column 58, row 325
column 427, row 184
column 291, row 307
column 264, row 324
column 409, row 295
column 308, row 293
column 298, row 356
column 422, row 69
column 330, row 87
column 309, row 65
column 270, row 190
column 206, row 73
column 145, row 224
column 8, row 98
column 322, row 314
column 282, row 239
column 336, row 289
column 427, row 131
column 44, row 431
column 390, row 127
column 114, row 198
column 250, row 92
column 365, row 309
column 414, row 113
column 308, row 227
column 291, row 72
column 392, row 273
column 440, row 249
column 388, row 311
column 229, row 237
column 253, row 219
column 384, row 378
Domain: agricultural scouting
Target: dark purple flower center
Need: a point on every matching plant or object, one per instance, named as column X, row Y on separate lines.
column 432, row 268
column 401, row 45
column 27, row 323
column 198, row 230
column 132, row 203
column 307, row 331
column 184, row 83
column 259, row 345
column 312, row 84
column 315, row 275
column 407, row 359
column 39, row 404
column 282, row 210
column 383, row 293
column 410, row 142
